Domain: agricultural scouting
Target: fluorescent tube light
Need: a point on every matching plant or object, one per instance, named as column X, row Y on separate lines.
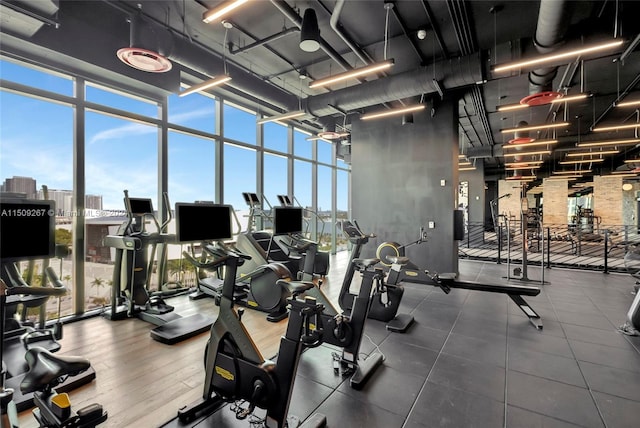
column 283, row 116
column 558, row 56
column 574, row 162
column 533, row 143
column 352, row 73
column 615, row 128
column 628, row 104
column 632, row 161
column 467, row 169
column 575, row 171
column 539, row 152
column 508, row 107
column 534, row 127
column 219, row 80
column 213, row 14
column 609, row 143
column 516, row 168
column 569, row 98
column 522, row 177
column 391, row 112
column 604, row 152
column 524, row 165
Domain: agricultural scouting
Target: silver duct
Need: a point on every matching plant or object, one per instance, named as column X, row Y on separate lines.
column 552, row 25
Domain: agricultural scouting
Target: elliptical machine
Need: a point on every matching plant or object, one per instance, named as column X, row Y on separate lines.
column 130, row 296
column 385, row 299
column 234, row 367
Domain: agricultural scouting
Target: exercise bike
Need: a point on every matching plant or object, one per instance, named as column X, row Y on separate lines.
column 341, row 329
column 46, row 371
column 234, row 368
column 385, row 299
column 257, row 289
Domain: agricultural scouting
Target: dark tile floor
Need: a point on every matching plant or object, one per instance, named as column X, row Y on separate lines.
column 472, row 359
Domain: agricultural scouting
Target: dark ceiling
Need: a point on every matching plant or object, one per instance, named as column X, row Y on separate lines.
column 462, row 41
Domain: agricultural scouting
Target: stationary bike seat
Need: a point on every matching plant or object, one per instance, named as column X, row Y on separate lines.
column 295, row 287
column 45, row 368
column 398, row 260
column 362, row 264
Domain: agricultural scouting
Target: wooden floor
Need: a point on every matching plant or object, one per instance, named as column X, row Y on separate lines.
column 141, row 382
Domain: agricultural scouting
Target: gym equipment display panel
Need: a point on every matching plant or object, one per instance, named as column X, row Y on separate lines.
column 20, row 218
column 196, row 222
column 287, row 220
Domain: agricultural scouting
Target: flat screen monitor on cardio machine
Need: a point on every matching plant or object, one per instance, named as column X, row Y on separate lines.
column 287, row 220
column 27, row 228
column 198, row 222
column 140, row 206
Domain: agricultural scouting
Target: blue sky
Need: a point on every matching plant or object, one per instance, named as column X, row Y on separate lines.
column 36, row 140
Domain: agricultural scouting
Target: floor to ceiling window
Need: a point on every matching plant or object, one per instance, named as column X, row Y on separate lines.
column 122, row 137
column 36, row 141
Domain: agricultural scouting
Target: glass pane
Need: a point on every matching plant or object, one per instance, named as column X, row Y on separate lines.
column 302, row 173
column 30, row 159
column 120, row 100
column 239, row 125
column 195, row 111
column 301, row 147
column 120, row 155
column 342, row 207
column 239, row 176
column 325, row 225
column 324, row 151
column 35, row 77
column 275, row 178
column 275, row 136
column 192, row 172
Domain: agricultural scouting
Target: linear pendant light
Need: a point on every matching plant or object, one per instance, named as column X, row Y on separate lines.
column 603, row 152
column 609, row 143
column 216, row 81
column 558, row 56
column 214, row 14
column 615, row 128
column 565, row 99
column 540, row 152
column 525, row 164
column 392, row 112
column 574, row 162
column 352, row 73
column 283, row 116
column 532, row 144
column 629, row 104
column 534, row 127
column 575, row 171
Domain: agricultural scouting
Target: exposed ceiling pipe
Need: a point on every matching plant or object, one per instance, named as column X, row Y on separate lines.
column 266, row 40
column 334, row 22
column 293, row 16
column 552, row 25
column 454, row 73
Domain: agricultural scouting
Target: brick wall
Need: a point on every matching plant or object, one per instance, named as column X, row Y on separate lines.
column 555, row 202
column 509, row 206
column 607, row 199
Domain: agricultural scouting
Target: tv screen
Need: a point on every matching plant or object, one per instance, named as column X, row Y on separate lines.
column 27, row 229
column 202, row 222
column 287, row 220
column 140, row 206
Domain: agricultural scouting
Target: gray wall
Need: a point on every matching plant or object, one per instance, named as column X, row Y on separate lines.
column 396, row 175
column 476, row 190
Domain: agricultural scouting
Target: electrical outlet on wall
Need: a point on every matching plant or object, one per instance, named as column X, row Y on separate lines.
column 432, row 225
